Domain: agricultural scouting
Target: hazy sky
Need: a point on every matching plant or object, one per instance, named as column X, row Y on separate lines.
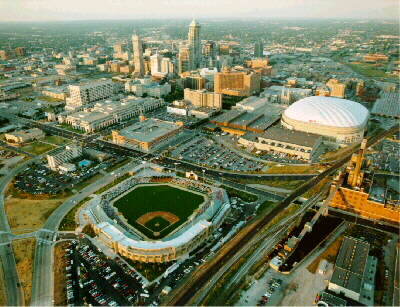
column 37, row 10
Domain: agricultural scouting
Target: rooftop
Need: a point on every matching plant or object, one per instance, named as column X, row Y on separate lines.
column 148, row 130
column 291, row 136
column 350, row 264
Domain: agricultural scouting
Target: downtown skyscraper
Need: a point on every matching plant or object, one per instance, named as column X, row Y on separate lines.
column 195, row 43
column 259, row 49
column 138, row 55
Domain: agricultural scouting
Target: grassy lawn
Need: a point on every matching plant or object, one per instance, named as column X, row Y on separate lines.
column 247, row 197
column 118, row 165
column 146, row 199
column 88, row 230
column 37, row 148
column 60, row 291
column 369, row 70
column 68, row 222
column 49, row 99
column 83, row 184
column 266, row 207
column 110, row 185
column 293, row 169
column 56, row 140
column 27, row 214
column 3, row 290
column 69, row 128
column 329, row 254
column 24, row 251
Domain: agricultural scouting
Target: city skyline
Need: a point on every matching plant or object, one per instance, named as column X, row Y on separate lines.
column 46, row 10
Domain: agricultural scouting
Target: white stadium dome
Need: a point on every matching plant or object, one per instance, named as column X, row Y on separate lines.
column 340, row 120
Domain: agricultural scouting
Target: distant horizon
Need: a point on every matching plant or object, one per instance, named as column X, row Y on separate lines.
column 205, row 18
column 102, row 10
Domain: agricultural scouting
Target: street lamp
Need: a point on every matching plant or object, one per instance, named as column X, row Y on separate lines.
column 204, row 173
column 176, row 163
column 222, row 178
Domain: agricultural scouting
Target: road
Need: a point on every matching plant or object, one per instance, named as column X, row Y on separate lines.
column 184, row 294
column 42, row 284
column 42, row 278
column 266, row 242
column 15, row 293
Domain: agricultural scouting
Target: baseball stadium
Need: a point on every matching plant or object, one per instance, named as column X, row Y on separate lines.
column 154, row 216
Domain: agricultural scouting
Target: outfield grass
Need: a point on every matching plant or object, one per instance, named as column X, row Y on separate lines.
column 37, row 148
column 146, row 199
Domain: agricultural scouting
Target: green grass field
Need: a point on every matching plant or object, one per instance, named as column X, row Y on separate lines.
column 37, row 148
column 146, row 199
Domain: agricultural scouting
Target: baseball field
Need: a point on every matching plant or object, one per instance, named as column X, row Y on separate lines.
column 156, row 210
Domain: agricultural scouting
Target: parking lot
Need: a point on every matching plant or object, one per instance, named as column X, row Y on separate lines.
column 94, row 279
column 206, row 152
column 39, row 179
column 387, row 157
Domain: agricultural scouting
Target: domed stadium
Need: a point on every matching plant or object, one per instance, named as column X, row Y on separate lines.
column 338, row 120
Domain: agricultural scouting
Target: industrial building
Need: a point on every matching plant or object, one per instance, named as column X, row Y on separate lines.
column 362, row 195
column 239, row 121
column 387, row 105
column 354, row 272
column 338, row 120
column 147, row 134
column 293, row 143
column 23, row 136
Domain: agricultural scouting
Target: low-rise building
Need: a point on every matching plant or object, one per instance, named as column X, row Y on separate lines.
column 147, row 134
column 106, row 113
column 294, row 143
column 354, row 272
column 62, row 155
column 23, row 136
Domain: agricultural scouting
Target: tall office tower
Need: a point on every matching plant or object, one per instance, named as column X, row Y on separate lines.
column 118, row 48
column 185, row 59
column 210, row 49
column 20, row 51
column 194, row 43
column 87, row 93
column 155, row 63
column 138, row 55
column 258, row 49
column 167, row 66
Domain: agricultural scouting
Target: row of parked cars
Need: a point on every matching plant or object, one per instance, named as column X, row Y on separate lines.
column 272, row 285
column 106, row 272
